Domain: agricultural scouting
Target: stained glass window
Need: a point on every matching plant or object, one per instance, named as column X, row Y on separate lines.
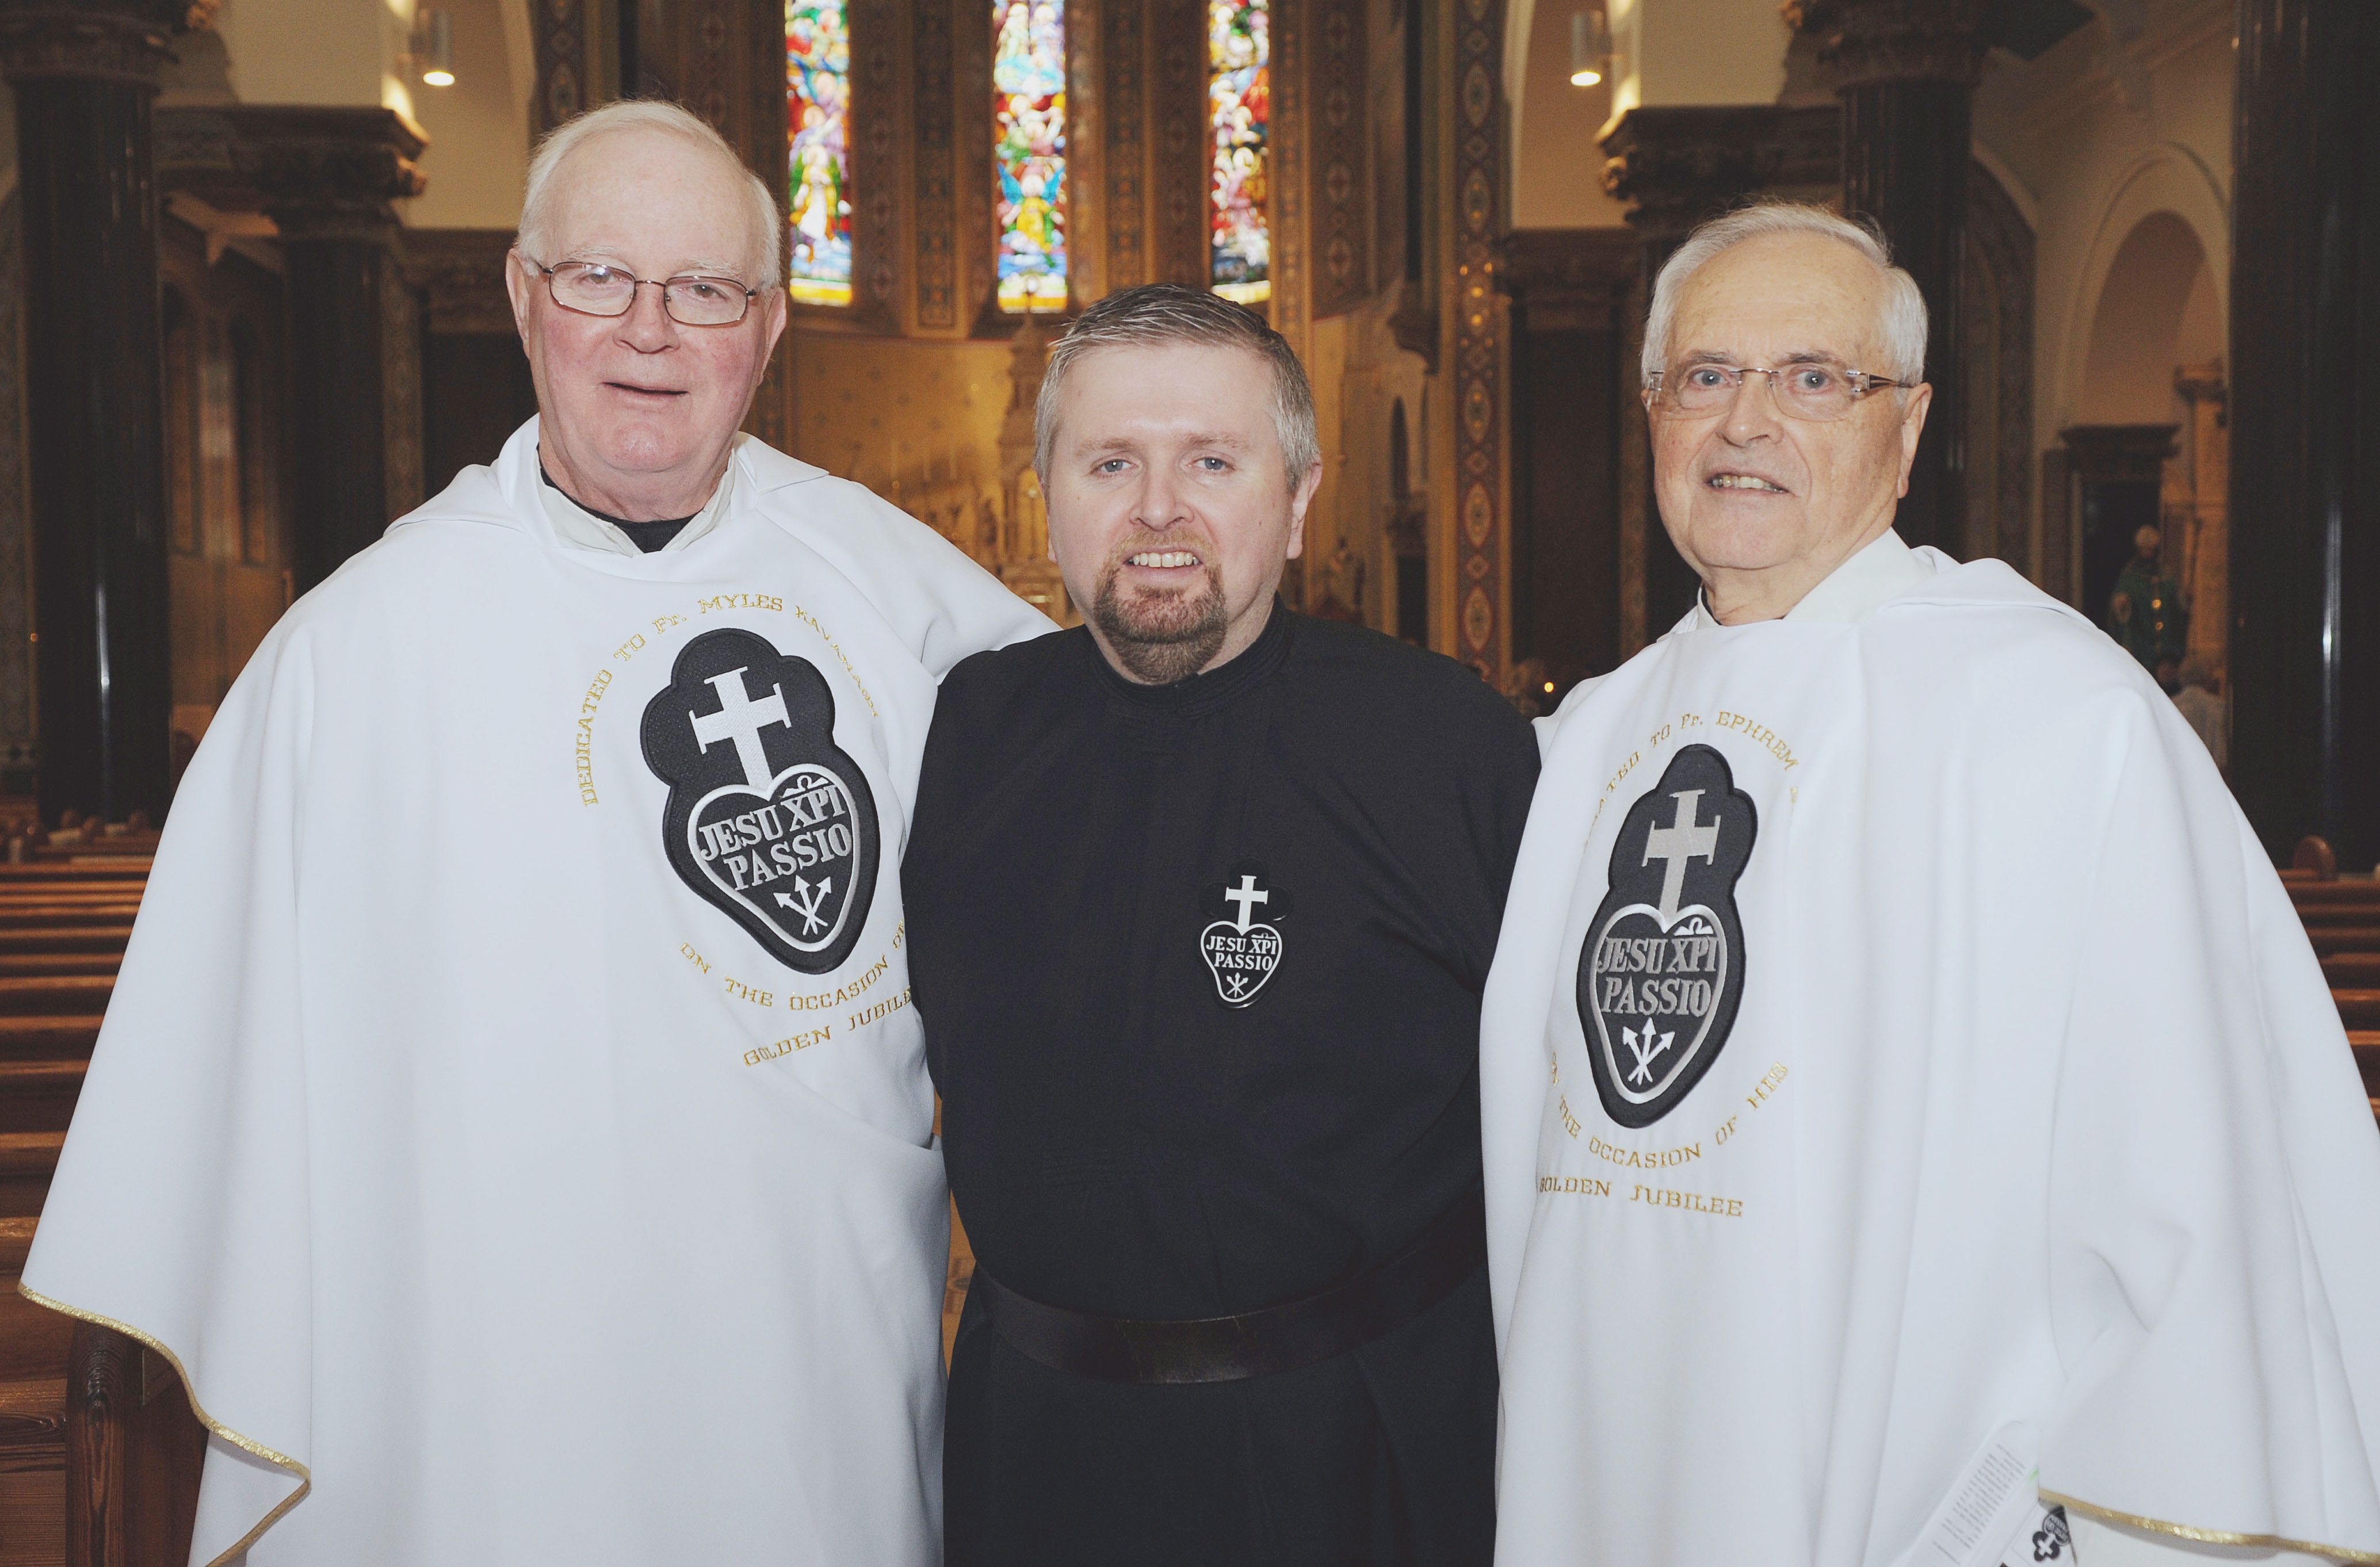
column 1239, row 105
column 818, row 109
column 1028, row 152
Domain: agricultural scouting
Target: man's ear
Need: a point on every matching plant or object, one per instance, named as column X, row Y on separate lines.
column 519, row 278
column 774, row 315
column 1297, row 504
column 1912, row 425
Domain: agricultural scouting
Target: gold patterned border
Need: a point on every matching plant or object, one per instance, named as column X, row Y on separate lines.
column 1479, row 340
column 2209, row 1536
column 1287, row 153
column 1342, row 277
column 190, row 1391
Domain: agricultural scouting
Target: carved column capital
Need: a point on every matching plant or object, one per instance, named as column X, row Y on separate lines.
column 1677, row 165
column 320, row 172
column 1872, row 40
column 92, row 39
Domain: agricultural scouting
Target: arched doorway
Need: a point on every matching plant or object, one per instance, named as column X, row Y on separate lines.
column 2147, row 443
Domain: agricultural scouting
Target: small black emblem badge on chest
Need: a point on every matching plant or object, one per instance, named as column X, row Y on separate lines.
column 1242, row 946
column 768, row 818
column 1662, row 971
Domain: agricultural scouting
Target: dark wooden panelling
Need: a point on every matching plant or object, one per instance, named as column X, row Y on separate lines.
column 476, row 392
column 1572, row 291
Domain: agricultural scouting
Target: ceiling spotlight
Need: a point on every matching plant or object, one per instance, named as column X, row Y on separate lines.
column 433, row 46
column 1590, row 48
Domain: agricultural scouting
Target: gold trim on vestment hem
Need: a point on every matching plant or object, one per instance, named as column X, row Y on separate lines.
column 2209, row 1536
column 305, row 1476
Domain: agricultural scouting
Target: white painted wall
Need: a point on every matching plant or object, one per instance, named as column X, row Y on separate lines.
column 314, row 51
column 1682, row 52
column 479, row 128
column 1557, row 166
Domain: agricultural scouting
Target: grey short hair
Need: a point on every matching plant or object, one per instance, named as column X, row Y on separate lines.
column 1903, row 327
column 1173, row 312
column 643, row 114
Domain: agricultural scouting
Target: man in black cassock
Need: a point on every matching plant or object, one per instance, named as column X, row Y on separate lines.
column 1201, row 897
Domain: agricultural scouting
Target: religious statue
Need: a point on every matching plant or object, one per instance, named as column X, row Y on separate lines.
column 2146, row 613
column 1339, row 587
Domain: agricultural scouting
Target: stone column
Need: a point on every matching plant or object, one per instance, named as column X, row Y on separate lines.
column 2306, row 425
column 2206, row 551
column 85, row 76
column 1906, row 72
column 1678, row 166
column 326, row 177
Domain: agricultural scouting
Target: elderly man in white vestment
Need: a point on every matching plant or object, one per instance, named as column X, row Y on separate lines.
column 509, row 1118
column 1918, row 1134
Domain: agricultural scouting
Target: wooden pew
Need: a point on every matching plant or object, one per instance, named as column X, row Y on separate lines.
column 2342, row 919
column 98, row 1451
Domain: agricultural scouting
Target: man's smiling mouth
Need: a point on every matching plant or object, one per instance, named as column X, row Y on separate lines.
column 1161, row 559
column 1745, row 481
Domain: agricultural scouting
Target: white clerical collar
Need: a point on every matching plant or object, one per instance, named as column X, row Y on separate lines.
column 1881, row 572
column 575, row 526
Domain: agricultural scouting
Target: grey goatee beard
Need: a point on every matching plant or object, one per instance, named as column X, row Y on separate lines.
column 1162, row 637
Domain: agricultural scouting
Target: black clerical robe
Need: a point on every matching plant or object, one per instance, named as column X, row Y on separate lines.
column 1199, row 967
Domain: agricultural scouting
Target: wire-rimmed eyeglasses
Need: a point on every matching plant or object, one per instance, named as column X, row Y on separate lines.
column 599, row 288
column 1811, row 390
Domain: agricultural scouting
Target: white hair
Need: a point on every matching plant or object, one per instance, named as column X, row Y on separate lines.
column 643, row 114
column 1902, row 328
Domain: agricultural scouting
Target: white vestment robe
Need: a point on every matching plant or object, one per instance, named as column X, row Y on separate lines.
column 509, row 1117
column 1899, row 1045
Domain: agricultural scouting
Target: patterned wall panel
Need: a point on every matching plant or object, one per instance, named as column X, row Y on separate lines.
column 1178, row 116
column 571, row 54
column 1341, row 271
column 974, row 139
column 875, row 159
column 1479, row 338
column 706, row 68
column 767, row 146
column 935, row 108
column 1127, row 144
column 1290, row 92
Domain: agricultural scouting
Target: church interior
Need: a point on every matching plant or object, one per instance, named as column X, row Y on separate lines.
column 251, row 309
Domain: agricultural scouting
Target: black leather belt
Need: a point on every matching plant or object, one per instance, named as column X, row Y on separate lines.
column 1304, row 1331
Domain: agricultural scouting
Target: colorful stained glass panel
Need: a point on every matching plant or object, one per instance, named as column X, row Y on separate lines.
column 1028, row 152
column 1239, row 106
column 818, row 109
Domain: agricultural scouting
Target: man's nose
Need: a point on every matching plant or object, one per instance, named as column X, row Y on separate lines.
column 647, row 327
column 1159, row 504
column 1752, row 415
